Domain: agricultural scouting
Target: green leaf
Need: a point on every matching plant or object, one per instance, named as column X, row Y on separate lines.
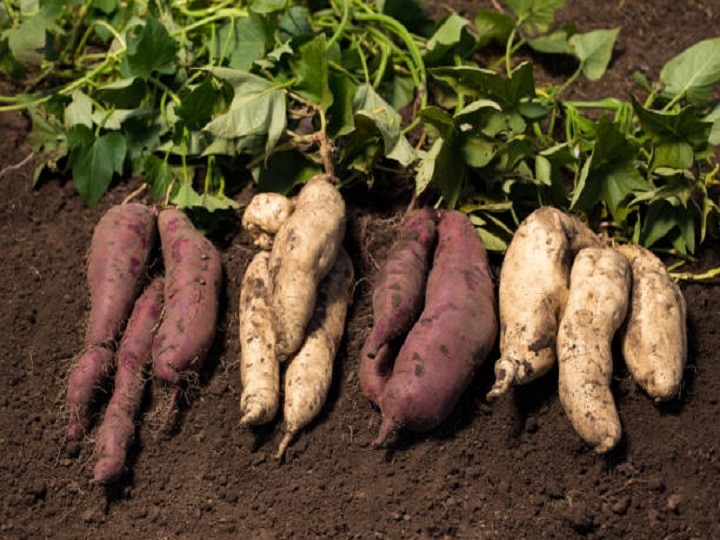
column 79, row 111
column 94, row 164
column 243, row 41
column 478, row 152
column 609, row 176
column 555, row 43
column 694, row 73
column 340, row 114
column 426, row 166
column 594, row 51
column 27, row 41
column 678, row 126
column 369, row 104
column 449, row 172
column 451, row 36
column 106, row 6
column 283, row 171
column 492, row 26
column 123, row 93
column 257, row 108
column 508, row 92
column 713, row 117
column 664, row 220
column 537, row 15
column 158, row 174
column 295, row 23
column 673, row 155
column 439, row 120
column 150, row 48
column 187, row 197
column 311, row 70
column 197, row 106
column 267, row 6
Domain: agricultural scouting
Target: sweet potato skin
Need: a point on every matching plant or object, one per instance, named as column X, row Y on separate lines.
column 193, row 277
column 264, row 216
column 117, row 431
column 259, row 366
column 531, row 306
column 309, row 371
column 399, row 290
column 374, row 373
column 90, row 370
column 456, row 330
column 597, row 304
column 303, row 252
column 117, row 261
column 654, row 337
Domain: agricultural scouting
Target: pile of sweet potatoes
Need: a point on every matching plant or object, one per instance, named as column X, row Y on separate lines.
column 434, row 321
column 581, row 294
column 172, row 320
column 293, row 304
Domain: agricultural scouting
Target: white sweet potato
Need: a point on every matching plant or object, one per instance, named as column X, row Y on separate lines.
column 654, row 337
column 259, row 367
column 264, row 216
column 596, row 307
column 309, row 372
column 303, row 252
column 532, row 294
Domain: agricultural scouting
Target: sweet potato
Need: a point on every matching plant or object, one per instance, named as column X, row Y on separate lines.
column 303, row 252
column 596, row 306
column 117, row 261
column 456, row 331
column 193, row 276
column 90, row 369
column 309, row 372
column 259, row 366
column 532, row 294
column 654, row 337
column 264, row 216
column 375, row 372
column 399, row 290
column 117, row 431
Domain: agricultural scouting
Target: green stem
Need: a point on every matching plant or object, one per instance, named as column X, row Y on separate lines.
column 713, row 273
column 408, row 39
column 228, row 13
column 341, row 27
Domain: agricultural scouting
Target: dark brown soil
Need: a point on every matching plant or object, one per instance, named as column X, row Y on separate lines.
column 515, row 469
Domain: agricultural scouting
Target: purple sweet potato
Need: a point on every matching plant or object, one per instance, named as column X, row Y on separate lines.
column 117, row 261
column 399, row 291
column 454, row 334
column 193, row 275
column 117, row 431
column 375, row 372
column 89, row 371
column 118, row 256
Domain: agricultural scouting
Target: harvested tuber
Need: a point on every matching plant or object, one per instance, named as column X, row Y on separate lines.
column 304, row 250
column 117, row 430
column 596, row 306
column 264, row 216
column 454, row 334
column 193, row 276
column 259, row 366
column 309, row 372
column 399, row 290
column 117, row 262
column 532, row 294
column 654, row 337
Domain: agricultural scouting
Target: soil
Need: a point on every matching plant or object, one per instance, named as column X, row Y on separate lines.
column 515, row 469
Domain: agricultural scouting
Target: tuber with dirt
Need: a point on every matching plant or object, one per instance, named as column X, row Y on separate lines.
column 117, row 430
column 596, row 307
column 453, row 335
column 117, row 264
